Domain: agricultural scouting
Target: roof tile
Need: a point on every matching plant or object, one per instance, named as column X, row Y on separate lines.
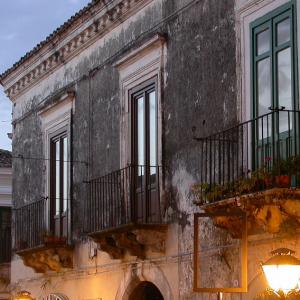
column 50, row 37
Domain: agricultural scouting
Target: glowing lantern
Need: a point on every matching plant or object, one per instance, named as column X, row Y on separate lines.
column 23, row 295
column 282, row 271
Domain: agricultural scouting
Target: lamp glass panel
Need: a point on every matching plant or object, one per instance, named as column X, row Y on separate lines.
column 282, row 277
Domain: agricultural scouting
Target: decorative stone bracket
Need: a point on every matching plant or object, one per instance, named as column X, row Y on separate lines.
column 272, row 211
column 133, row 240
column 48, row 258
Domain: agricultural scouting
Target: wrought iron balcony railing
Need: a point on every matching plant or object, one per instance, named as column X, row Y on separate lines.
column 30, row 225
column 249, row 156
column 31, row 228
column 5, row 245
column 33, row 238
column 124, row 197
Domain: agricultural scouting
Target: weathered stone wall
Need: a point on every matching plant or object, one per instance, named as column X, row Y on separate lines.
column 200, row 91
column 28, row 169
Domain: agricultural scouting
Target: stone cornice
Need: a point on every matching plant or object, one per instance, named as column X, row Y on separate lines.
column 157, row 40
column 65, row 45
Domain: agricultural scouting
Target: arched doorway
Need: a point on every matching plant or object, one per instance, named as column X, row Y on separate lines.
column 146, row 291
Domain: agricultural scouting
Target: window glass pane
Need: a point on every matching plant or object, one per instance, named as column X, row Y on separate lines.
column 65, row 174
column 283, row 31
column 57, row 177
column 284, row 85
column 264, row 86
column 284, row 78
column 264, row 96
column 152, row 129
column 263, row 42
column 141, row 133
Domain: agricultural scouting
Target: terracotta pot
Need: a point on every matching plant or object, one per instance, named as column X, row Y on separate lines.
column 49, row 239
column 55, row 240
column 283, row 181
column 61, row 240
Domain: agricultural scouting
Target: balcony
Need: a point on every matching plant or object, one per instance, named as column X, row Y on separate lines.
column 255, row 167
column 123, row 211
column 38, row 248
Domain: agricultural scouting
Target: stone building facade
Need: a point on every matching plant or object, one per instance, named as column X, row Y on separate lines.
column 113, row 122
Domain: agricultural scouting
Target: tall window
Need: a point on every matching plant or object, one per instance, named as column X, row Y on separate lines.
column 274, row 66
column 59, row 183
column 274, row 83
column 144, row 147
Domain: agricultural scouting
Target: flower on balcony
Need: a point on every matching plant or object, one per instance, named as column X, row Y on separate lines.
column 273, row 173
column 50, row 238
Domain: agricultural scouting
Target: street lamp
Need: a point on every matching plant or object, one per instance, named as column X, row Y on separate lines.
column 282, row 272
column 23, row 295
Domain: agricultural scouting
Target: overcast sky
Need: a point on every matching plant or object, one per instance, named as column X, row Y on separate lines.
column 23, row 24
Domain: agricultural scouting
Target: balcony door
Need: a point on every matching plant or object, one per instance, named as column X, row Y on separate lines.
column 144, row 152
column 59, row 184
column 274, row 80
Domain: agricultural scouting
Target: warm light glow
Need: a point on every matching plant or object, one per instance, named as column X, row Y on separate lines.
column 282, row 271
column 282, row 277
column 24, row 295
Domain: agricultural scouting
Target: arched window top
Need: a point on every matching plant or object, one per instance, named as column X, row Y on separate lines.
column 56, row 296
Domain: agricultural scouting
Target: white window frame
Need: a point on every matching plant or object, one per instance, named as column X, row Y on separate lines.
column 54, row 118
column 248, row 11
column 142, row 64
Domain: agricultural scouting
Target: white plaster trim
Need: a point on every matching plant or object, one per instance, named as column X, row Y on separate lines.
column 142, row 64
column 53, row 119
column 74, row 41
column 62, row 101
column 54, row 115
column 134, row 55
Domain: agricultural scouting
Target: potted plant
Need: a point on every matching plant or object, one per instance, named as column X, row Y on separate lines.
column 50, row 238
column 257, row 180
column 266, row 174
column 294, row 165
column 244, row 186
column 282, row 170
column 207, row 193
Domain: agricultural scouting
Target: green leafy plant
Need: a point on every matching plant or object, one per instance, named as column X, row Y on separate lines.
column 263, row 178
column 283, row 167
column 207, row 193
column 294, row 164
